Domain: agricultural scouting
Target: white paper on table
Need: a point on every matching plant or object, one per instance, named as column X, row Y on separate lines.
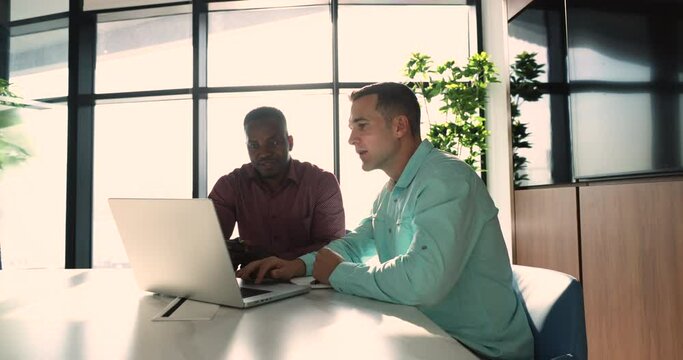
column 309, row 281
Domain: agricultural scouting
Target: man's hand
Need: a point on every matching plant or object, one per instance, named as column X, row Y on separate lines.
column 325, row 262
column 273, row 267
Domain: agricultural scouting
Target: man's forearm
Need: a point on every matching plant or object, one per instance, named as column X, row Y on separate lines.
column 300, row 267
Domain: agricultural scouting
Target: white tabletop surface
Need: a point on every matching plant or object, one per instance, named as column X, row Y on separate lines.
column 101, row 314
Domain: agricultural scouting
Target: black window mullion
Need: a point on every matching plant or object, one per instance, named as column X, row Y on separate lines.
column 561, row 156
column 79, row 185
column 480, row 47
column 199, row 98
column 4, row 50
column 334, row 11
column 4, row 39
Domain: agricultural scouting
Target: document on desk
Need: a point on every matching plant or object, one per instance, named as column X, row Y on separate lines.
column 184, row 309
column 309, row 281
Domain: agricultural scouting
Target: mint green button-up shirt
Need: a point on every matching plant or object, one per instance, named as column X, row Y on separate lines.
column 440, row 248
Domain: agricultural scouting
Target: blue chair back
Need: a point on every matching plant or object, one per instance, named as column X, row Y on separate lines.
column 554, row 307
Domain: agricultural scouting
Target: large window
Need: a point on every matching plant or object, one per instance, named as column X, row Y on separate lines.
column 147, row 140
column 32, row 193
column 379, row 53
column 375, row 41
column 270, row 46
column 144, row 54
column 141, row 150
column 293, row 46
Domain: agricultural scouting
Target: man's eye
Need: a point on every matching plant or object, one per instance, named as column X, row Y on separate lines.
column 274, row 143
column 252, row 145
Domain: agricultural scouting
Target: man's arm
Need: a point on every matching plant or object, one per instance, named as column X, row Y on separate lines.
column 444, row 234
column 354, row 247
column 223, row 196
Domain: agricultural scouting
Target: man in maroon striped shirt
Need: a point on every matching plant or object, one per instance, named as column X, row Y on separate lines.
column 283, row 207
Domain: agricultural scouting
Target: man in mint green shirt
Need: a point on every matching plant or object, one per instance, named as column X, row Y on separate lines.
column 433, row 227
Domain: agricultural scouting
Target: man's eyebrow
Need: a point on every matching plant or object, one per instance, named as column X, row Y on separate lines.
column 272, row 137
column 355, row 121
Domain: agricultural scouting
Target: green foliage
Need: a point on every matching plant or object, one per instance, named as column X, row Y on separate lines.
column 462, row 93
column 5, row 91
column 523, row 87
column 10, row 153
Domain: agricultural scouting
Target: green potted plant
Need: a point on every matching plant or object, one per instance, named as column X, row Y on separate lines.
column 10, row 152
column 523, row 87
column 462, row 93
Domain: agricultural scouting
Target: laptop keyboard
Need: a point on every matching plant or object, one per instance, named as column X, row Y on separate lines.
column 249, row 292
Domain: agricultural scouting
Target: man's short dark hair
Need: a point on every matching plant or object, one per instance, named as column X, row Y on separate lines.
column 266, row 113
column 393, row 99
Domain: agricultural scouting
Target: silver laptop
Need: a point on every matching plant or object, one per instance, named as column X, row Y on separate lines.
column 176, row 247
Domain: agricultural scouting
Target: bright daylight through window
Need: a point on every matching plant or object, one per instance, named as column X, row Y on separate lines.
column 281, row 56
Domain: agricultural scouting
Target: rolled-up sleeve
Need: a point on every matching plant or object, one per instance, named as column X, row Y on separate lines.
column 441, row 243
column 355, row 246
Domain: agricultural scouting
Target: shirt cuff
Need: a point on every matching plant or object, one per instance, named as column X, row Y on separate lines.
column 308, row 260
column 340, row 275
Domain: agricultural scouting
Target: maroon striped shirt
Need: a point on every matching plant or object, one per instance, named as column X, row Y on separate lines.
column 303, row 216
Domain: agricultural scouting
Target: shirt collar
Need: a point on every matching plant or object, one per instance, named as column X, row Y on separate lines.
column 414, row 164
column 293, row 173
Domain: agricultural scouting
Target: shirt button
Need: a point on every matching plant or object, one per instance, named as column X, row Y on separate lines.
column 389, row 231
column 395, row 200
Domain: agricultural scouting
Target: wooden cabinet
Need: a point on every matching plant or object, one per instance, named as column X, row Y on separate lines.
column 632, row 254
column 546, row 229
column 625, row 239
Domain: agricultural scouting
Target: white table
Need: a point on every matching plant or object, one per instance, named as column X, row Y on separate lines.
column 101, row 314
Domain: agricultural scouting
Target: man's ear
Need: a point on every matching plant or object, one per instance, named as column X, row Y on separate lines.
column 401, row 126
column 290, row 141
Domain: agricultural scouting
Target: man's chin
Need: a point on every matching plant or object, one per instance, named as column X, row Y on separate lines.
column 367, row 167
column 269, row 174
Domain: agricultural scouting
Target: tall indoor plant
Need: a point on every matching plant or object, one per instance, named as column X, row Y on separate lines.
column 523, row 87
column 462, row 93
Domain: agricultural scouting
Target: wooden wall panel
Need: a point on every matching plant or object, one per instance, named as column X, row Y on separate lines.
column 632, row 250
column 546, row 229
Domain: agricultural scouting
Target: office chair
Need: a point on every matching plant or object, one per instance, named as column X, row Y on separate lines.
column 554, row 306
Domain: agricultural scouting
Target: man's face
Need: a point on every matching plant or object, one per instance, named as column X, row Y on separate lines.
column 268, row 146
column 371, row 134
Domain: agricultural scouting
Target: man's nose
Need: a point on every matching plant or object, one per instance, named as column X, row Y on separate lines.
column 352, row 138
column 263, row 151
